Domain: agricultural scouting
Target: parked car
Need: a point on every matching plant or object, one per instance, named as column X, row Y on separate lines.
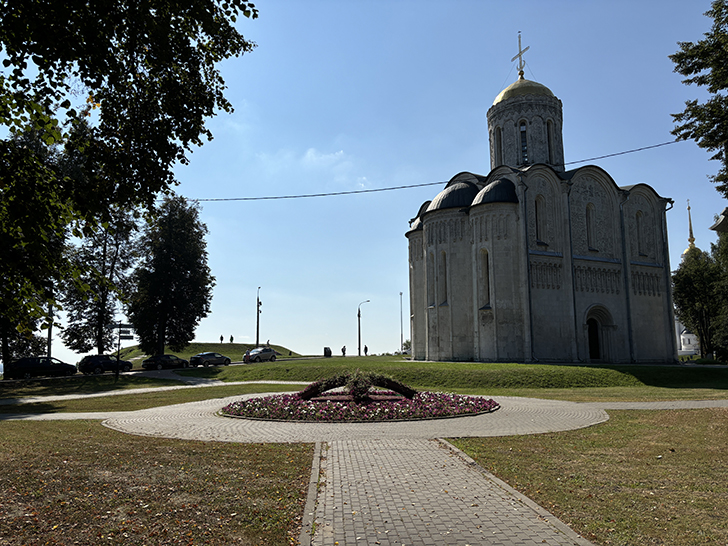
column 164, row 361
column 97, row 364
column 262, row 353
column 206, row 359
column 37, row 366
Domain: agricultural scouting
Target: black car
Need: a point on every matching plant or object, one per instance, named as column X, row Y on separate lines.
column 37, row 366
column 164, row 361
column 207, row 359
column 97, row 364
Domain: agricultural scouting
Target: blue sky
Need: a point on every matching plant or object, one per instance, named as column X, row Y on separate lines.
column 344, row 96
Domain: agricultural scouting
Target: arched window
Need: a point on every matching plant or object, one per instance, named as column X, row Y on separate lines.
column 639, row 223
column 442, row 280
column 540, row 214
column 591, row 228
column 524, row 143
column 430, row 279
column 550, row 140
column 498, row 147
column 483, row 280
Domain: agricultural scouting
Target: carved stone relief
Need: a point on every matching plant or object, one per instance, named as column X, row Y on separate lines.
column 546, row 275
column 641, row 228
column 487, row 227
column 416, row 249
column 605, row 280
column 445, row 231
column 645, row 284
column 585, row 192
column 543, row 191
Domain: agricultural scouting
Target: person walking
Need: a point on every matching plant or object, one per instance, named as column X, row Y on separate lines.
column 343, row 351
column 366, row 350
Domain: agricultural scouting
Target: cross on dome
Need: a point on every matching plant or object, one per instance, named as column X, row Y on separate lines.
column 521, row 62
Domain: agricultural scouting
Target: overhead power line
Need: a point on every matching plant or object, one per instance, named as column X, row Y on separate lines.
column 320, row 194
column 621, row 153
column 352, row 192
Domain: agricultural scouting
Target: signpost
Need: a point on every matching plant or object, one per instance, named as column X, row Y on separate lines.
column 125, row 334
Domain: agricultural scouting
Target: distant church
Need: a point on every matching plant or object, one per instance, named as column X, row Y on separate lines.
column 536, row 263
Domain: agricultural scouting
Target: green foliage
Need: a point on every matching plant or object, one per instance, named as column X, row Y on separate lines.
column 104, row 258
column 23, row 344
column 126, row 87
column 147, row 70
column 34, row 218
column 699, row 295
column 173, row 284
column 705, row 64
column 472, row 376
column 358, row 384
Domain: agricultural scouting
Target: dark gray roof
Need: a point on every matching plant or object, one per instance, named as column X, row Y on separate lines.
column 498, row 191
column 455, row 195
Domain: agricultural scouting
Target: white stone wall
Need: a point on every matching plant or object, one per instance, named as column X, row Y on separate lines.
column 537, row 111
column 500, row 329
column 417, row 291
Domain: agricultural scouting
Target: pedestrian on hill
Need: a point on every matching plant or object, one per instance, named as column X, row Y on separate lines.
column 366, row 350
column 231, row 339
column 221, row 338
column 343, row 351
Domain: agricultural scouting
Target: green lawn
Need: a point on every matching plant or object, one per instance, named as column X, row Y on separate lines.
column 133, row 402
column 643, row 477
column 79, row 384
column 235, row 351
column 77, row 482
column 550, row 381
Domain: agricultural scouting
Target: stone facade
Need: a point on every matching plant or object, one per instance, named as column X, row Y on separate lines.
column 535, row 263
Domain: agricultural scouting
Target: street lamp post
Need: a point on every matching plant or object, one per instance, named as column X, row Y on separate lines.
column 401, row 327
column 358, row 318
column 257, row 319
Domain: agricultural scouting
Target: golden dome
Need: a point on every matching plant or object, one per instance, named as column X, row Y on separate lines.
column 522, row 87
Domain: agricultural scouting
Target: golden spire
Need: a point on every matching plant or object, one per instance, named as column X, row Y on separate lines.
column 691, row 239
column 521, row 62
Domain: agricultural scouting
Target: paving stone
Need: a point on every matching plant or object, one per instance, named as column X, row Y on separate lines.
column 394, row 483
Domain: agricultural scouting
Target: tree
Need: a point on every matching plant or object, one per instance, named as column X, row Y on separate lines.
column 719, row 252
column 145, row 74
column 172, row 285
column 696, row 286
column 105, row 257
column 33, row 228
column 705, row 63
column 26, row 345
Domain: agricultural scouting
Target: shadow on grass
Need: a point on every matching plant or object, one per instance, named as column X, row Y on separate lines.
column 673, row 377
column 78, row 384
column 28, row 409
column 481, row 375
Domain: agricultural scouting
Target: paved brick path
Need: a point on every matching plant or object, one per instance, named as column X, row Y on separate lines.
column 420, row 492
column 395, row 483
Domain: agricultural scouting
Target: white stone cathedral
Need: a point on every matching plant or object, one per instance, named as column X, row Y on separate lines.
column 534, row 263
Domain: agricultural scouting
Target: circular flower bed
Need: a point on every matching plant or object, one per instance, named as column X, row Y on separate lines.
column 381, row 406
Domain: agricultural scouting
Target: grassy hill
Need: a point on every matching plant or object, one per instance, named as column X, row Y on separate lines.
column 234, row 351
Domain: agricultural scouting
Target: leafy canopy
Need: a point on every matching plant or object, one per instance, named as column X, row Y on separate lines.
column 705, row 64
column 172, row 284
column 125, row 87
column 699, row 294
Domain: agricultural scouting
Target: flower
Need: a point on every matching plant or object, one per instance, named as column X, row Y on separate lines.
column 386, row 407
